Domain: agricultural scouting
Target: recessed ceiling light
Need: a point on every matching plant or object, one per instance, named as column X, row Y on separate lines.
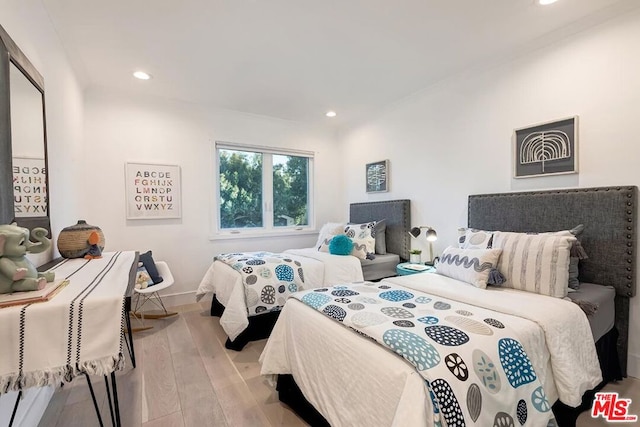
column 141, row 75
column 331, row 114
column 546, row 2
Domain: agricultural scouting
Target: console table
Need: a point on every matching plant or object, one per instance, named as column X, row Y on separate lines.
column 77, row 332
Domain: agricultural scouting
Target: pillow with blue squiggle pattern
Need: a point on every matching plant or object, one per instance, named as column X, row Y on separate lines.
column 468, row 265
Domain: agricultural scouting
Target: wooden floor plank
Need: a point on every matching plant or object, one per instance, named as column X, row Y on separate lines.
column 220, row 369
column 197, row 398
column 178, row 334
column 56, row 406
column 171, row 420
column 81, row 414
column 160, row 389
column 130, row 393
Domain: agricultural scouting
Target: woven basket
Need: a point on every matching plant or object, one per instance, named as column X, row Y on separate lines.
column 72, row 241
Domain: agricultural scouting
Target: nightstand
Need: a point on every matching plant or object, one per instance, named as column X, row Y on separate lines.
column 407, row 268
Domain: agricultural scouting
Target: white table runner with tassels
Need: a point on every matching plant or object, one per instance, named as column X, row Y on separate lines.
column 78, row 330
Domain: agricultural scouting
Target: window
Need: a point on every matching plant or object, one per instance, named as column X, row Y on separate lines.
column 262, row 189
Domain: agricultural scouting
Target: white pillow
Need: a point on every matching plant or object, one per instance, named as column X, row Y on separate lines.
column 327, row 231
column 471, row 238
column 468, row 265
column 535, row 262
column 363, row 241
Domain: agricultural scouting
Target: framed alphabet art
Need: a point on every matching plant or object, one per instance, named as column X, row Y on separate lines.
column 152, row 191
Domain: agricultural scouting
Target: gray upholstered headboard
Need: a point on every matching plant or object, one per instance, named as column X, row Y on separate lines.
column 609, row 238
column 397, row 215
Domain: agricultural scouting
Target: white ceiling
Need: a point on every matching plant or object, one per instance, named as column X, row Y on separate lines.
column 296, row 59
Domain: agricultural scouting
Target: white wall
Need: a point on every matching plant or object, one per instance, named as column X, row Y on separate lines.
column 121, row 128
column 28, row 24
column 454, row 139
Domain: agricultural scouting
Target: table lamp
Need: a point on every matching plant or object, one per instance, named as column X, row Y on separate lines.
column 431, row 236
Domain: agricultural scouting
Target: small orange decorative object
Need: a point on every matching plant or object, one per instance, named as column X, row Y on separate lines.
column 94, row 249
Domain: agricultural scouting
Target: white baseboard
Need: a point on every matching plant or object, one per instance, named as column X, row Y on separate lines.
column 182, row 298
column 633, row 365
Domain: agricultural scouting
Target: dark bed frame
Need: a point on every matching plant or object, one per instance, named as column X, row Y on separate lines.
column 397, row 215
column 609, row 239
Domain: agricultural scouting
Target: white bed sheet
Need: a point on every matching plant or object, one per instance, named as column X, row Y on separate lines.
column 566, row 328
column 350, row 388
column 320, row 269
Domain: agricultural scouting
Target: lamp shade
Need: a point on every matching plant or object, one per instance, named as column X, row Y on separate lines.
column 415, row 231
column 430, row 234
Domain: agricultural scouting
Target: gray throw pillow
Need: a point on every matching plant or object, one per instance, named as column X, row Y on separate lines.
column 380, row 230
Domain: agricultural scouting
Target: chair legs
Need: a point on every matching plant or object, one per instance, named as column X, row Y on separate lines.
column 155, row 299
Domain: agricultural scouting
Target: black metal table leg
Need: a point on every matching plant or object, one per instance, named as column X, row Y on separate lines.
column 132, row 351
column 93, row 397
column 115, row 398
column 106, row 383
column 15, row 408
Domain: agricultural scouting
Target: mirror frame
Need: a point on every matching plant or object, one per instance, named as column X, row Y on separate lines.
column 11, row 53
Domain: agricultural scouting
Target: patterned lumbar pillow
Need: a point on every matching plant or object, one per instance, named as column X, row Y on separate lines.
column 364, row 242
column 327, row 231
column 468, row 265
column 535, row 262
column 474, row 239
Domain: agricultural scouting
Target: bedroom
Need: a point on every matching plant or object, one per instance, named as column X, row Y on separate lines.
column 444, row 142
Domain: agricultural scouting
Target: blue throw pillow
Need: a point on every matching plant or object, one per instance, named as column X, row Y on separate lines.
column 148, row 262
column 340, row 245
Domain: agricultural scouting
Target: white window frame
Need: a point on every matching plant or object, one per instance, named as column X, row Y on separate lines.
column 267, row 194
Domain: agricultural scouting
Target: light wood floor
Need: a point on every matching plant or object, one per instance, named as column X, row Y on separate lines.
column 185, row 377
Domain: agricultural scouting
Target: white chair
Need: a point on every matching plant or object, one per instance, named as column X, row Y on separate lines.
column 150, row 294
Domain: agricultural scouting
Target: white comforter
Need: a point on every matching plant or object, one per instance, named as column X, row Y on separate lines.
column 372, row 386
column 320, row 269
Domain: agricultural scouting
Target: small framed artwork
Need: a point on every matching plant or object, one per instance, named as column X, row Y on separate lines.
column 549, row 148
column 152, row 191
column 377, row 176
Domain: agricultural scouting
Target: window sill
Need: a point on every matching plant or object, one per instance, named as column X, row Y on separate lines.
column 264, row 234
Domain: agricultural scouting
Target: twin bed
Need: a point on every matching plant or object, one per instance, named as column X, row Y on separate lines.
column 272, row 277
column 499, row 356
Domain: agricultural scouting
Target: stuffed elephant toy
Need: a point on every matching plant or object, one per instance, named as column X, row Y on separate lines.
column 17, row 273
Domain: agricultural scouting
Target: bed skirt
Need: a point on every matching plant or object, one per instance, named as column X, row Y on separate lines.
column 607, row 349
column 566, row 416
column 290, row 394
column 260, row 327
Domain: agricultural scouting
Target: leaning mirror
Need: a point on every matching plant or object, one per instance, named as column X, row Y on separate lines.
column 23, row 164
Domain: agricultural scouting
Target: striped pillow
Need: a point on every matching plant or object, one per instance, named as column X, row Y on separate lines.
column 535, row 262
column 468, row 265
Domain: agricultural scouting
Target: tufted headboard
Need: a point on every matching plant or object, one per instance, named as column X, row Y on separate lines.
column 397, row 215
column 609, row 238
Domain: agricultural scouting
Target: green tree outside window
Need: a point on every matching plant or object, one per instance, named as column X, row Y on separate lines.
column 243, row 194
